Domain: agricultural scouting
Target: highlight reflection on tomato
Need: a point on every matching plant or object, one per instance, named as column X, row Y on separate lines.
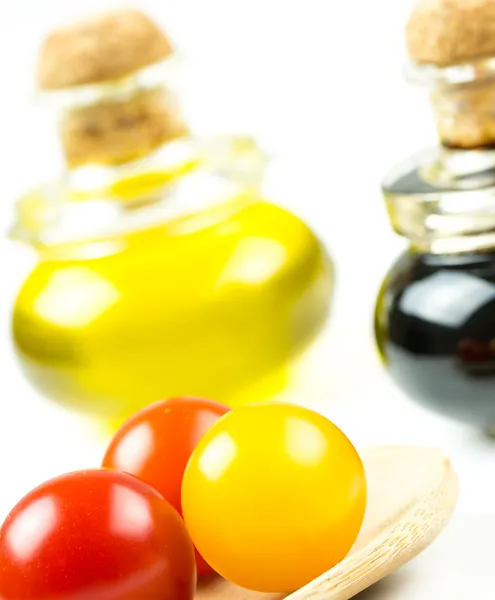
column 273, row 496
column 95, row 535
column 156, row 444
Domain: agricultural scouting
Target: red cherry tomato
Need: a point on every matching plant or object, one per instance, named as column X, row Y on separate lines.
column 157, row 442
column 95, row 535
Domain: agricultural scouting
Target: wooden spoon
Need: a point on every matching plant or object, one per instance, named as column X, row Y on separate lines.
column 412, row 493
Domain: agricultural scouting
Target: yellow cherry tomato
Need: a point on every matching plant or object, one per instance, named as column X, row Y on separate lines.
column 273, row 496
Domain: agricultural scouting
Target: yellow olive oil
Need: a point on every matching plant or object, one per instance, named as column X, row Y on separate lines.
column 217, row 310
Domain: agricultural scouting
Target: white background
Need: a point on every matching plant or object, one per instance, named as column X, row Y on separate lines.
column 320, row 83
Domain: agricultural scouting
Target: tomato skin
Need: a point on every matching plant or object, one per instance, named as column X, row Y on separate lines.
column 95, row 535
column 273, row 496
column 156, row 444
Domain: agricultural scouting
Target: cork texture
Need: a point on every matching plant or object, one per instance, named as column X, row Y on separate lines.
column 448, row 32
column 107, row 47
column 113, row 133
column 464, row 115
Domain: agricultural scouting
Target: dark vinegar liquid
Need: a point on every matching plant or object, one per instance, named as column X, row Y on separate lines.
column 435, row 328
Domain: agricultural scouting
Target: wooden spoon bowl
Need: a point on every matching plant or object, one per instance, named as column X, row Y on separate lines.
column 412, row 493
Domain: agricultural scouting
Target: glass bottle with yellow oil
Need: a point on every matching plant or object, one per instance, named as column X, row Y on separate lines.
column 161, row 269
column 435, row 314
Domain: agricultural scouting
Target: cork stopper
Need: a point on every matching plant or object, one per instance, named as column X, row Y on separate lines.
column 113, row 127
column 101, row 48
column 448, row 32
column 113, row 133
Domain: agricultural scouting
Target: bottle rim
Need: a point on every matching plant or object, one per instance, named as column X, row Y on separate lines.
column 431, row 75
column 152, row 77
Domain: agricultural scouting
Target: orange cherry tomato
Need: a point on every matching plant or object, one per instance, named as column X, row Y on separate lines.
column 273, row 496
column 95, row 535
column 156, row 443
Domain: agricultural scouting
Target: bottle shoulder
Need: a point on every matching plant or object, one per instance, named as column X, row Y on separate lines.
column 411, row 268
column 260, row 251
column 439, row 297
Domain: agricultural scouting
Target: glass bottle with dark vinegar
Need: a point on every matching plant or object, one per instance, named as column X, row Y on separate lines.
column 435, row 314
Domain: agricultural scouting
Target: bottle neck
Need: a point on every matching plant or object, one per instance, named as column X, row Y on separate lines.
column 443, row 200
column 462, row 97
column 112, row 124
column 116, row 132
column 132, row 164
column 464, row 115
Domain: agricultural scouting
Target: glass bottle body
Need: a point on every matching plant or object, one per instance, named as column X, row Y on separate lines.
column 435, row 328
column 216, row 299
column 161, row 268
column 435, row 313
